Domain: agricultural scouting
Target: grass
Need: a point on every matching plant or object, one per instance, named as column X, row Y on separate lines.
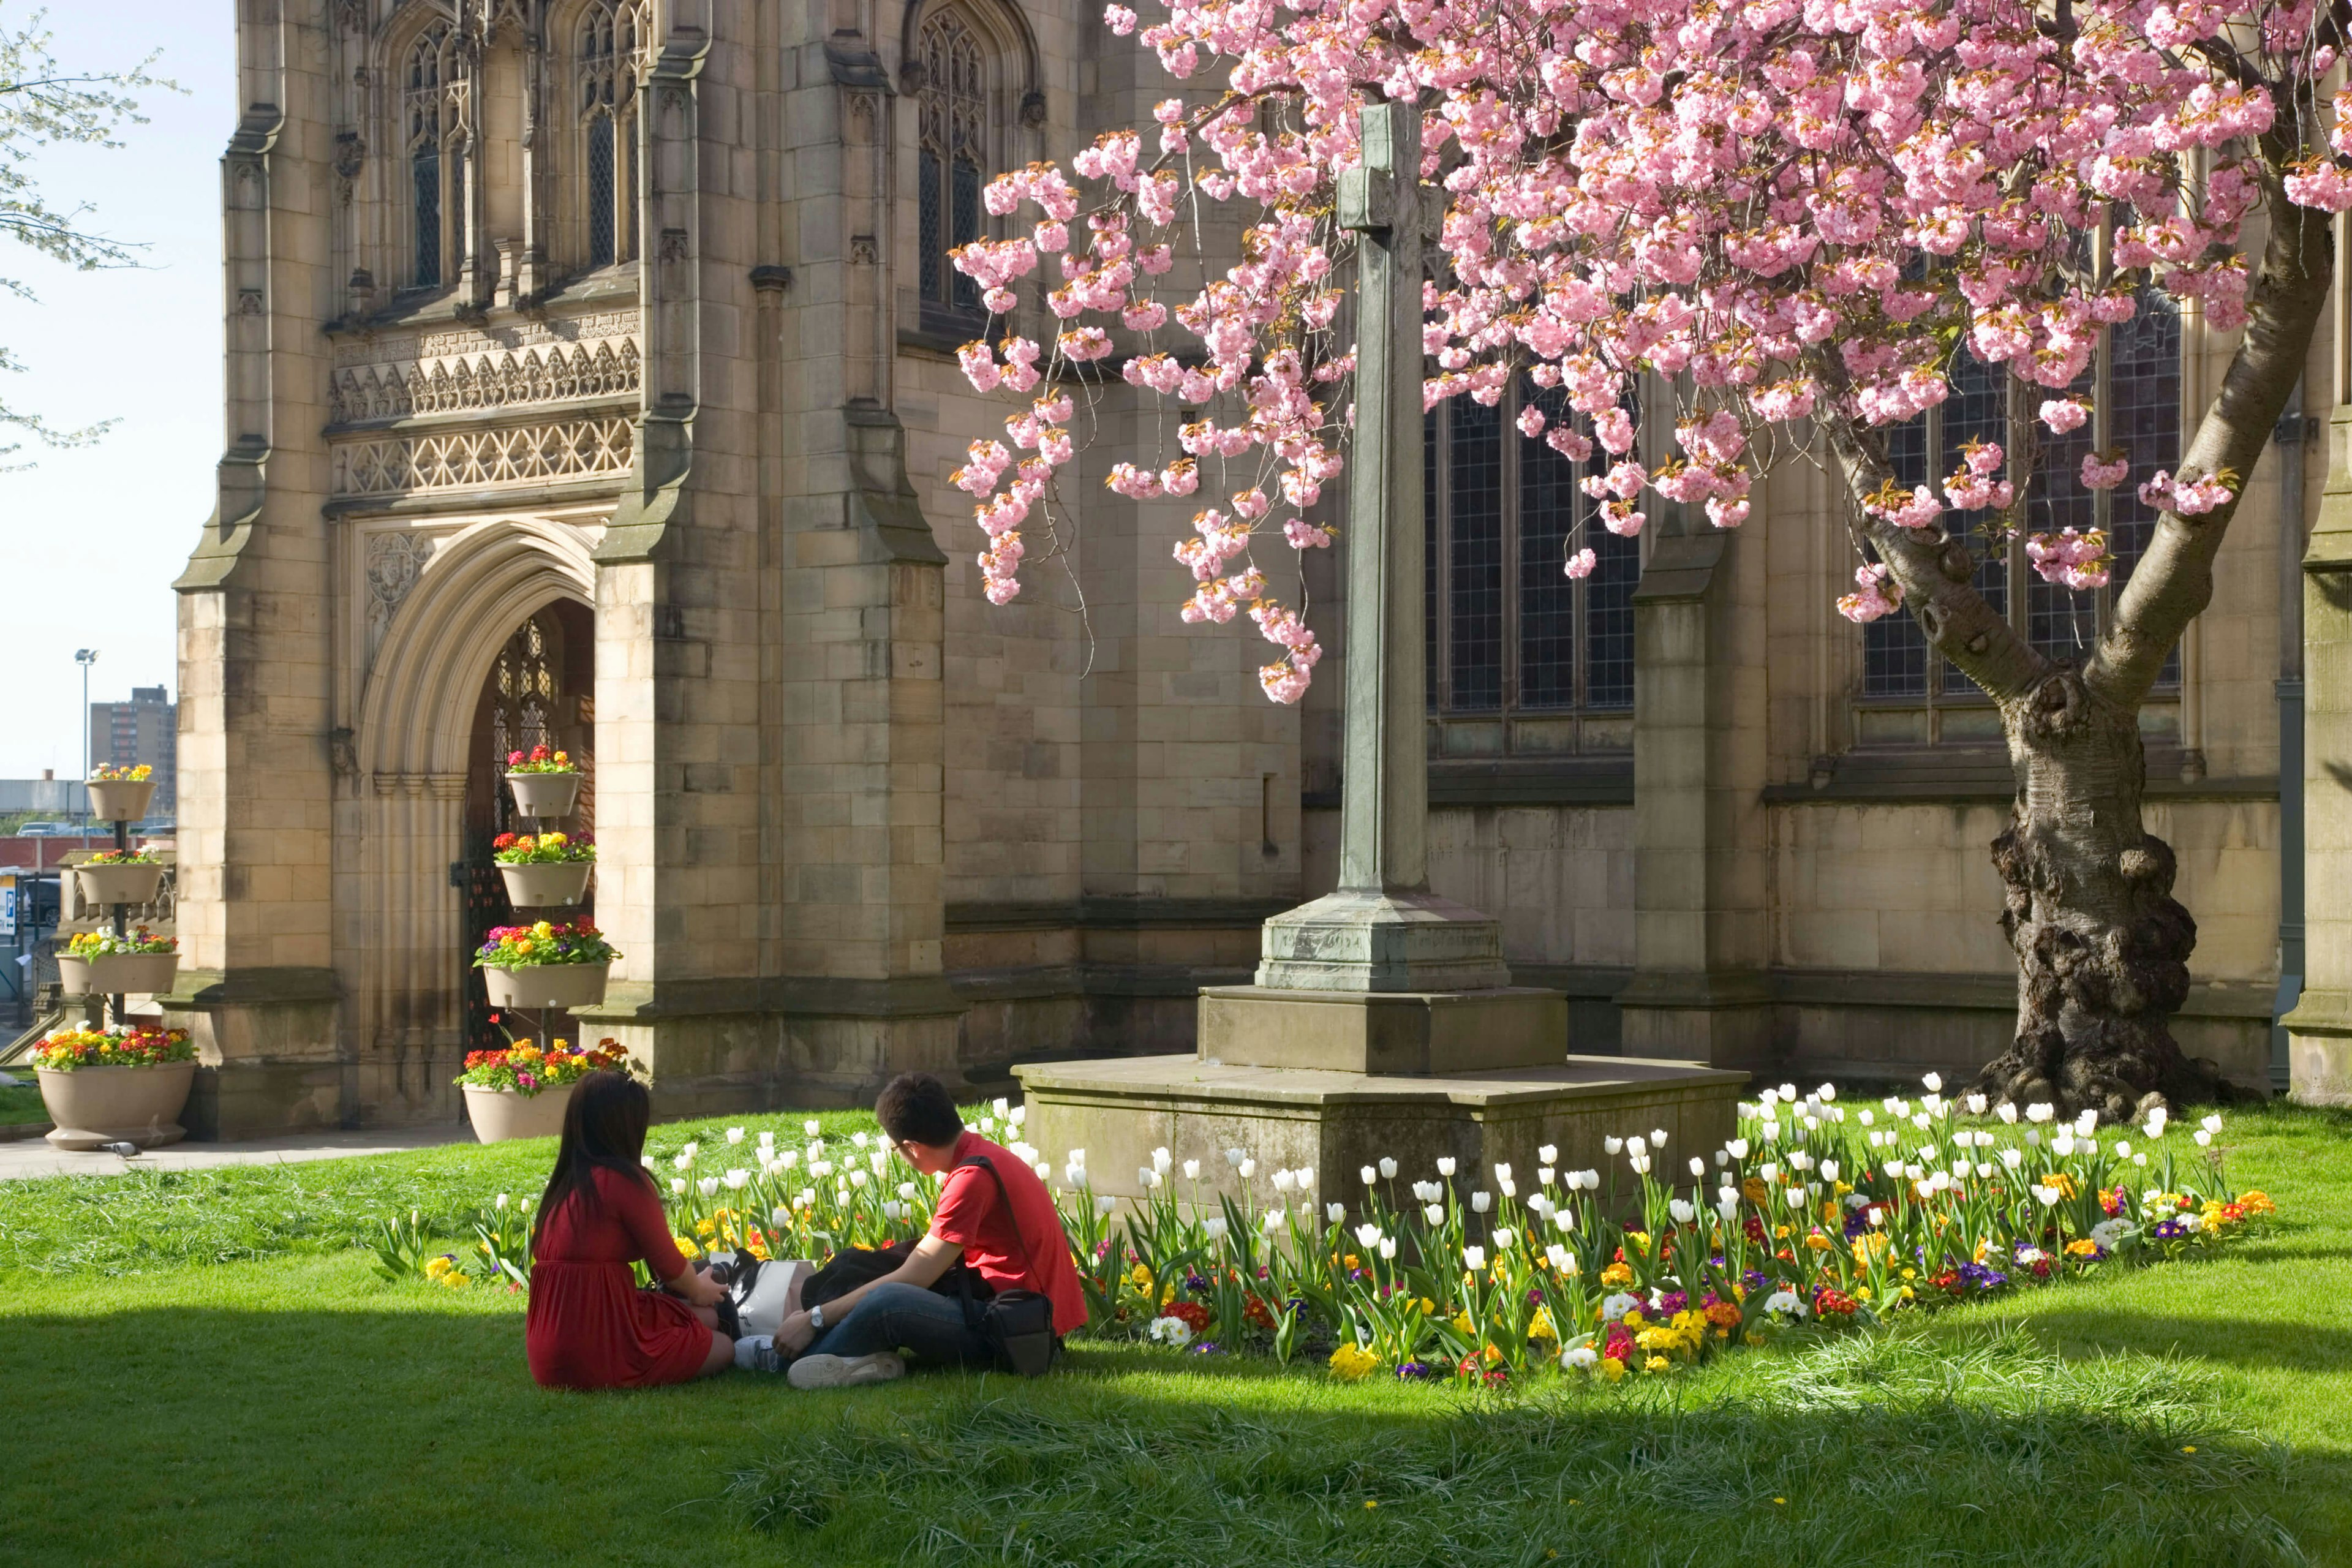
column 285, row 1406
column 21, row 1104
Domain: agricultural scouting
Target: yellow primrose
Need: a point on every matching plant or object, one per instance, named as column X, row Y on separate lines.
column 1351, row 1362
column 542, row 929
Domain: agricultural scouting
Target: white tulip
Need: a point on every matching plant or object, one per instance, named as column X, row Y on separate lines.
column 767, row 1137
column 2062, row 1144
column 1283, row 1180
column 736, row 1180
column 1306, row 1178
column 1105, row 1203
column 1001, row 1105
column 1771, row 1131
column 1248, row 1168
column 2041, row 1110
column 1828, row 1170
column 2123, row 1150
column 1191, row 1170
column 1434, row 1213
column 1163, row 1161
column 1369, row 1176
column 2213, row 1124
column 1368, row 1235
column 2141, row 1160
column 1641, row 1163
column 1017, row 1115
column 1445, row 1165
column 857, row 1140
column 677, row 1185
column 2012, row 1158
column 1772, row 1171
column 1976, row 1104
column 1214, row 1227
column 1334, row 1212
column 1147, row 1178
column 1545, row 1174
column 1559, row 1258
column 689, row 1152
column 780, row 1215
column 734, row 1135
column 1235, row 1156
column 1698, row 1166
column 1388, row 1168
column 1636, row 1145
column 1481, row 1202
column 1502, row 1173
column 1935, row 1082
column 2204, row 1138
column 1273, row 1221
column 1738, row 1148
column 1473, row 1258
column 1504, row 1236
column 1683, row 1212
column 1388, row 1248
column 1657, row 1137
column 2046, row 1196
column 1789, row 1092
column 1548, row 1153
column 811, row 1128
column 1612, row 1145
column 1826, row 1093
column 709, row 1185
column 1510, row 1188
column 647, row 1161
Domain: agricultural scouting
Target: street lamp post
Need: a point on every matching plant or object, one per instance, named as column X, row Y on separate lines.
column 85, row 657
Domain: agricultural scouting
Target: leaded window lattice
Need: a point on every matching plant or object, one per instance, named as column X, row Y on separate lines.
column 609, row 54
column 951, row 156
column 2141, row 411
column 432, row 112
column 1508, row 631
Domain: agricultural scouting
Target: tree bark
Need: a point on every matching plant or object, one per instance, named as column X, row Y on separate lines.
column 2102, row 946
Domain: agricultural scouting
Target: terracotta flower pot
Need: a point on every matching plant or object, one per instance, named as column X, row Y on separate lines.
column 499, row 1114
column 118, row 974
column 108, row 885
column 96, row 1106
column 548, row 884
column 542, row 795
column 536, row 985
column 119, row 800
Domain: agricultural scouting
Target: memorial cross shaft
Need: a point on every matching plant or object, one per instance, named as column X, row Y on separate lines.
column 1384, row 791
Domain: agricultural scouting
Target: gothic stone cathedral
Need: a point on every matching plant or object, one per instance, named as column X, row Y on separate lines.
column 590, row 380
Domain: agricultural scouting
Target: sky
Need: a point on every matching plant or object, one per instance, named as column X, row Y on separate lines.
column 92, row 539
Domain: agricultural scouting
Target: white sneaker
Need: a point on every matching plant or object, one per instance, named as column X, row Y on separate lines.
column 756, row 1352
column 812, row 1371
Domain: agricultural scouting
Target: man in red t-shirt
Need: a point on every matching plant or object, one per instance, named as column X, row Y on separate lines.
column 1009, row 1235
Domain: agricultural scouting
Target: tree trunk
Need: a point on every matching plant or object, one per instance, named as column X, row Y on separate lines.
column 2102, row 947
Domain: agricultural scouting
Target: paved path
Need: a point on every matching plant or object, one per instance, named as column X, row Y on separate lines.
column 35, row 1157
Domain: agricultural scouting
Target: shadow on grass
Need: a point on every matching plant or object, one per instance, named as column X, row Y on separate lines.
column 412, row 1432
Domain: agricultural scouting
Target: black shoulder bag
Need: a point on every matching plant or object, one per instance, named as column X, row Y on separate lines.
column 1017, row 1324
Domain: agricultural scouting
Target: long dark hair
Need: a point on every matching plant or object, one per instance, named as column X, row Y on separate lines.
column 604, row 1126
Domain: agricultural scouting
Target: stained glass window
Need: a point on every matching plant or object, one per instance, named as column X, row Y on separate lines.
column 951, row 156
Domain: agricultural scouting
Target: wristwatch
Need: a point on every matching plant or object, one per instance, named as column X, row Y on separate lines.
column 816, row 1317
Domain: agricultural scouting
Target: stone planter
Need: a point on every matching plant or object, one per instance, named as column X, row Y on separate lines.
column 499, row 1114
column 108, row 885
column 120, row 800
column 548, row 884
column 122, row 973
column 537, row 985
column 542, row 795
column 96, row 1106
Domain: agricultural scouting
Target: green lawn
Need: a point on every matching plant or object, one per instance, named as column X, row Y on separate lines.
column 285, row 1407
column 21, row 1104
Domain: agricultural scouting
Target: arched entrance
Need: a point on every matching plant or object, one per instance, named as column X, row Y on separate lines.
column 540, row 690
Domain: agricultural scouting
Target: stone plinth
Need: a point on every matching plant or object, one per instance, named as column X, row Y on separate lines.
column 1335, row 1124
column 1410, row 1033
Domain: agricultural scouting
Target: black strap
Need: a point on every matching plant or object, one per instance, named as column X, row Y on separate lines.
column 1028, row 1265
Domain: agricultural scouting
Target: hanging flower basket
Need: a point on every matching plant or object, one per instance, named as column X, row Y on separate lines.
column 119, row 878
column 545, row 965
column 100, row 963
column 544, row 869
column 120, row 795
column 545, row 784
column 116, row 1086
column 523, row 1092
column 499, row 1115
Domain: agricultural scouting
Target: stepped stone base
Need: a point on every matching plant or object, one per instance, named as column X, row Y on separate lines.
column 1410, row 1032
column 1334, row 1123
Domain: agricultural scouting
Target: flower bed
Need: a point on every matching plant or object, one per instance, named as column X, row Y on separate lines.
column 539, row 760
column 543, row 942
column 144, row 1046
column 539, row 849
column 1818, row 1216
column 110, row 773
column 139, row 940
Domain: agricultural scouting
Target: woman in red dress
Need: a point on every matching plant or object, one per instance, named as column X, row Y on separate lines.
column 589, row 1325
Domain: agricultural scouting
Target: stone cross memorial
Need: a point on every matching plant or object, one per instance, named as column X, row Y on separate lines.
column 1383, row 1021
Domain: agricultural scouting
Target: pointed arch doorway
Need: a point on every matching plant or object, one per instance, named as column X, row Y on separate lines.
column 540, row 690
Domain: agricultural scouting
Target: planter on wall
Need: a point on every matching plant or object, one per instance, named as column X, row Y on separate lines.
column 93, row 1107
column 499, row 1114
column 119, row 800
column 121, row 974
column 547, row 884
column 106, row 885
column 542, row 795
column 547, row 985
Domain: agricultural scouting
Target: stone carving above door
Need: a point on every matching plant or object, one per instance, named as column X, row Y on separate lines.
column 564, row 449
column 482, row 368
column 395, row 559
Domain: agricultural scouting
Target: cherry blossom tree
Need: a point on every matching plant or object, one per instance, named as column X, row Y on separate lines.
column 1786, row 221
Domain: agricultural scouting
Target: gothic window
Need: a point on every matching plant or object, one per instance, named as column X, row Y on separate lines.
column 951, row 159
column 610, row 52
column 433, row 106
column 1508, row 632
column 2140, row 363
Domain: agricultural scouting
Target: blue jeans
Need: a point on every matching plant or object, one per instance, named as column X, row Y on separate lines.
column 901, row 1316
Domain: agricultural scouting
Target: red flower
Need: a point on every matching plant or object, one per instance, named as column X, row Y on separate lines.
column 1193, row 1315
column 539, row 753
column 513, row 757
column 503, row 841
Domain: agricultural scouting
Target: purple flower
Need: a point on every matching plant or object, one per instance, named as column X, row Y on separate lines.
column 1206, row 1347
column 1670, row 1303
column 1979, row 1276
column 2167, row 1230
column 1410, row 1370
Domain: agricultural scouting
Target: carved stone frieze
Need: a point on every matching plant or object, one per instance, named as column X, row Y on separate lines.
column 394, row 561
column 463, row 368
column 563, row 450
